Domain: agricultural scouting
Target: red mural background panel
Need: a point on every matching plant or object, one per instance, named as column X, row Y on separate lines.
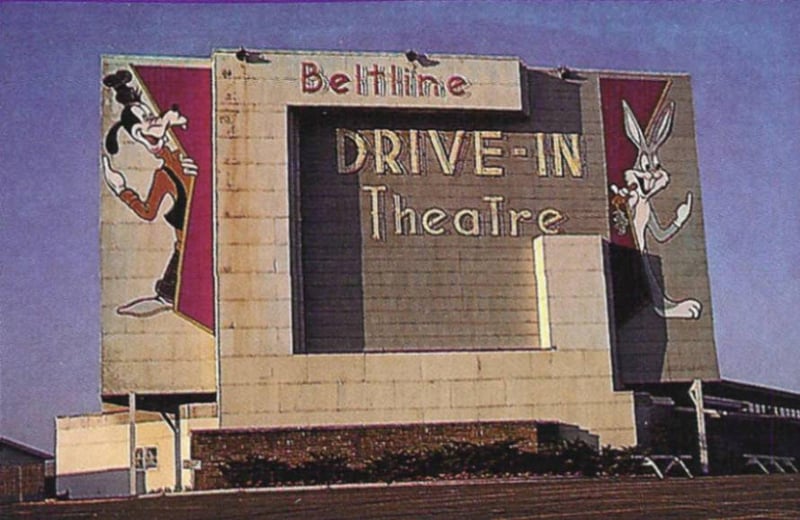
column 190, row 89
column 644, row 97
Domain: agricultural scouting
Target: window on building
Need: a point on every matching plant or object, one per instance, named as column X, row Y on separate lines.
column 146, row 458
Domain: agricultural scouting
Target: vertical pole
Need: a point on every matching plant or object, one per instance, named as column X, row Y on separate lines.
column 175, row 426
column 21, row 493
column 696, row 393
column 178, row 456
column 132, row 440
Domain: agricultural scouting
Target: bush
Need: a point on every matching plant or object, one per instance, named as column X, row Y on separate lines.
column 266, row 472
column 449, row 460
column 255, row 472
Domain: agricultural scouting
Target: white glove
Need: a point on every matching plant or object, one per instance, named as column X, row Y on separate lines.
column 114, row 179
column 683, row 211
column 189, row 166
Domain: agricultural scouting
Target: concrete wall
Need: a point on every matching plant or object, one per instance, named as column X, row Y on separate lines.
column 263, row 384
column 92, row 455
column 571, row 386
column 93, row 484
column 157, row 434
column 92, row 443
column 92, row 448
column 565, row 370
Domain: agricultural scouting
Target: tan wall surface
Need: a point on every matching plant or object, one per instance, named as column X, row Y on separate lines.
column 95, row 443
column 570, row 386
column 92, row 443
column 572, row 292
column 158, row 434
column 262, row 384
column 163, row 353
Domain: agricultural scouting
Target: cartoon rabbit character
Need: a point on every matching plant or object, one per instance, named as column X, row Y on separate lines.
column 646, row 179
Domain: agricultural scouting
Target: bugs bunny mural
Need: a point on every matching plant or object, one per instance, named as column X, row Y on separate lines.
column 646, row 179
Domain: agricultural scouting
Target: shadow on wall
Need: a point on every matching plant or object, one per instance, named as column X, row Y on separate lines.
column 329, row 259
column 641, row 334
column 554, row 104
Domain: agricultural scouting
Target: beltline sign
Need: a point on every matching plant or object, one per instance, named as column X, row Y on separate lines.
column 491, row 158
column 393, row 81
column 382, row 81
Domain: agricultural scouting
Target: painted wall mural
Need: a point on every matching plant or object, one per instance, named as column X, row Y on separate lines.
column 643, row 181
column 637, row 176
column 179, row 188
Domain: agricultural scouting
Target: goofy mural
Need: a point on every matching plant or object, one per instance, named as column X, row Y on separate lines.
column 173, row 178
column 171, row 192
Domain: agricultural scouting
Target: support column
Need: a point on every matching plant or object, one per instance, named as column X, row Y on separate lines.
column 175, row 425
column 178, row 456
column 696, row 393
column 132, row 440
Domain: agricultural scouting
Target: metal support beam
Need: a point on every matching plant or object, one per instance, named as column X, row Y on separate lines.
column 777, row 465
column 696, row 394
column 673, row 461
column 764, row 461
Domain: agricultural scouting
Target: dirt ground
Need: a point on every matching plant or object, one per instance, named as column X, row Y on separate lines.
column 730, row 498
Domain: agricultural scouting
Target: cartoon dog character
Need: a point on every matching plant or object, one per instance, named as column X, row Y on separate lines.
column 646, row 179
column 172, row 179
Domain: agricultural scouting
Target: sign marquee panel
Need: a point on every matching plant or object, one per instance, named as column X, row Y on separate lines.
column 379, row 80
column 419, row 237
column 447, row 162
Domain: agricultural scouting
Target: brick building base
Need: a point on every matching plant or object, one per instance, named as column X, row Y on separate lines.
column 215, row 448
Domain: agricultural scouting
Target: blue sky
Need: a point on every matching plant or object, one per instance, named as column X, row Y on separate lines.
column 745, row 73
